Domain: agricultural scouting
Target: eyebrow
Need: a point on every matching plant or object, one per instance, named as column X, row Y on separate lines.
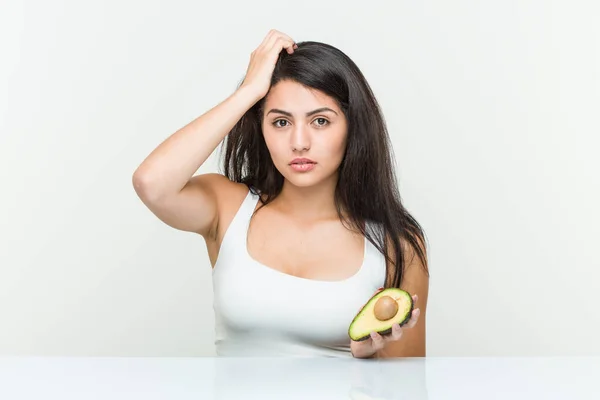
column 308, row 114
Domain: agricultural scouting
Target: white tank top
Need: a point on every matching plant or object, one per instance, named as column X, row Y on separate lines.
column 260, row 311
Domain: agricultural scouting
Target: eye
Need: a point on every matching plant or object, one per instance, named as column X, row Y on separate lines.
column 279, row 120
column 321, row 121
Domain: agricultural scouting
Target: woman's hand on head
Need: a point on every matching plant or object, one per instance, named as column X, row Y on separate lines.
column 263, row 59
column 377, row 342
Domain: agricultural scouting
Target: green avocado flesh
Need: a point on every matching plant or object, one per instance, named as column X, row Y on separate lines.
column 366, row 320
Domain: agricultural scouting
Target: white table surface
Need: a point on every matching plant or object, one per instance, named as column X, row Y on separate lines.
column 300, row 378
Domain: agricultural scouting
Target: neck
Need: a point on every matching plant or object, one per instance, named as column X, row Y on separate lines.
column 308, row 203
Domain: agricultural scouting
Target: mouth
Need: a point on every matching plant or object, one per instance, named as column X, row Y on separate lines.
column 302, row 161
column 302, row 164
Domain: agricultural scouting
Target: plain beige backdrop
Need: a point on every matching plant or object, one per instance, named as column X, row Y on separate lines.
column 493, row 112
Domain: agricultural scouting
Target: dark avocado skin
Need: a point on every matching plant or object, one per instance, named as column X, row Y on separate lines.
column 387, row 331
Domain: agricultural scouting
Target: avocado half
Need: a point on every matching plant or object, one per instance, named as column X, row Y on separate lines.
column 368, row 320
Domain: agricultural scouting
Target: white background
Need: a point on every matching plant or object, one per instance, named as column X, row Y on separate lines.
column 492, row 107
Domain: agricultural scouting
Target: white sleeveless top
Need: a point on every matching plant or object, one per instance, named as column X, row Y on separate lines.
column 260, row 311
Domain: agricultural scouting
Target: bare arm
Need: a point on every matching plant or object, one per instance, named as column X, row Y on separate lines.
column 413, row 341
column 164, row 181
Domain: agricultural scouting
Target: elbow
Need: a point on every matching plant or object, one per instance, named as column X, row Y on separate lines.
column 146, row 186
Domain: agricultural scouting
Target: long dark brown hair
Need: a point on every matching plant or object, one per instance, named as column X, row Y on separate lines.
column 367, row 188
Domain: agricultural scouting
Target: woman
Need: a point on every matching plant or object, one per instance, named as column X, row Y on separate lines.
column 306, row 223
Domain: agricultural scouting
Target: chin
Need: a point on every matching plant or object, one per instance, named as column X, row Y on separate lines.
column 303, row 182
column 306, row 179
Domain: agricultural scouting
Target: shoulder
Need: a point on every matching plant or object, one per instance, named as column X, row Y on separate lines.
column 415, row 276
column 414, row 250
column 415, row 263
column 228, row 196
column 219, row 185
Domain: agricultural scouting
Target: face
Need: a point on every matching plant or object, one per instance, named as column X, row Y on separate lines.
column 305, row 132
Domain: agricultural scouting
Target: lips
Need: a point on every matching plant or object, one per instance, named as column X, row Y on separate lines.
column 301, row 161
column 302, row 164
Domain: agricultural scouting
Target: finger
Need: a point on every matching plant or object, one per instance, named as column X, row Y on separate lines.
column 271, row 41
column 396, row 332
column 290, row 49
column 265, row 44
column 378, row 341
column 415, row 298
column 275, row 37
column 283, row 43
column 414, row 318
column 270, row 35
column 284, row 36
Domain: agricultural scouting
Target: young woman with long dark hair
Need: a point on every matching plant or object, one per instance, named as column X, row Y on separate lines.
column 306, row 222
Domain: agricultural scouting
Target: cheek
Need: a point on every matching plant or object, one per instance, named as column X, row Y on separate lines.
column 275, row 146
column 335, row 145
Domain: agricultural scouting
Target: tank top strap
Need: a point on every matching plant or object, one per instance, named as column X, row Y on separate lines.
column 247, row 208
column 237, row 231
column 375, row 262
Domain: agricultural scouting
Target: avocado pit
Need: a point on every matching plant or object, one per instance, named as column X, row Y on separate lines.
column 381, row 312
column 385, row 308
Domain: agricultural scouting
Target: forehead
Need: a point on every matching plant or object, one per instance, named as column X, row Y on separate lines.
column 293, row 96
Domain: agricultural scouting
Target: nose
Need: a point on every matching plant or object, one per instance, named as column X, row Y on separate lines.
column 300, row 139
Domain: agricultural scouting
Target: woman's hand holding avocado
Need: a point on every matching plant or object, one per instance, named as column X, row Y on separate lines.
column 366, row 342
